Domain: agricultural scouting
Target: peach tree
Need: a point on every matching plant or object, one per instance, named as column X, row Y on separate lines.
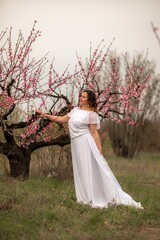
column 27, row 84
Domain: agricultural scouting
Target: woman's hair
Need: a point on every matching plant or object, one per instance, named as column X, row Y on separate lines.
column 91, row 99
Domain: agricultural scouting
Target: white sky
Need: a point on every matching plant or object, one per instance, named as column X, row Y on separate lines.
column 68, row 26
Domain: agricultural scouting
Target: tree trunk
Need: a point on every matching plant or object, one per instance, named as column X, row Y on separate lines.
column 20, row 157
column 19, row 163
column 125, row 143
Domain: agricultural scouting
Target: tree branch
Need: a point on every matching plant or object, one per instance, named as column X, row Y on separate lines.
column 60, row 141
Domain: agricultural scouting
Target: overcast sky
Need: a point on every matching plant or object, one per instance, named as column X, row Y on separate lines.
column 68, row 26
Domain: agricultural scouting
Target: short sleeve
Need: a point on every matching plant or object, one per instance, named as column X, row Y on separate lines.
column 94, row 119
column 71, row 112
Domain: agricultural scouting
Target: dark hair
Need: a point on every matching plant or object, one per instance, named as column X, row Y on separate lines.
column 91, row 99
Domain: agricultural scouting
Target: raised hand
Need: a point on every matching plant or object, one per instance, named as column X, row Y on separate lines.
column 40, row 113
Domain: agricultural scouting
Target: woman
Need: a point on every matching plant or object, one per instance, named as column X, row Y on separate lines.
column 95, row 184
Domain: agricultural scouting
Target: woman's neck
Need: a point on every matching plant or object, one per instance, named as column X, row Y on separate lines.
column 86, row 108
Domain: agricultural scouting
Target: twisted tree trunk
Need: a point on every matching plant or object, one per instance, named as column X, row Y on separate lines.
column 19, row 162
column 20, row 157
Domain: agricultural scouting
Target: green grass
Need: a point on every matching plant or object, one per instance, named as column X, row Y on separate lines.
column 46, row 208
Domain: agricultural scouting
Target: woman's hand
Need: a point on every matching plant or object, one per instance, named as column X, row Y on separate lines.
column 38, row 112
column 100, row 149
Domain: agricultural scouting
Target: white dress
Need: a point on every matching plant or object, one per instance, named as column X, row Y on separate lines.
column 94, row 181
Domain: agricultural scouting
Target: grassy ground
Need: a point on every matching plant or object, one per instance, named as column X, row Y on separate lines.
column 46, row 209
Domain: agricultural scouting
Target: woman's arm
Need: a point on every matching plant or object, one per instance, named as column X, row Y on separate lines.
column 59, row 119
column 95, row 135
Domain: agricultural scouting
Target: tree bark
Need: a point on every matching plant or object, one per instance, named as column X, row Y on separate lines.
column 19, row 162
column 20, row 157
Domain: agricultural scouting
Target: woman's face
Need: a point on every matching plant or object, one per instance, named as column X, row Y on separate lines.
column 83, row 99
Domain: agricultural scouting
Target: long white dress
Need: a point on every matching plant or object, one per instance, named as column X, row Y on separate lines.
column 94, row 182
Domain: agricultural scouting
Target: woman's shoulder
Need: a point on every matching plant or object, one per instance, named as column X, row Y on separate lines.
column 93, row 116
column 72, row 111
column 94, row 113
